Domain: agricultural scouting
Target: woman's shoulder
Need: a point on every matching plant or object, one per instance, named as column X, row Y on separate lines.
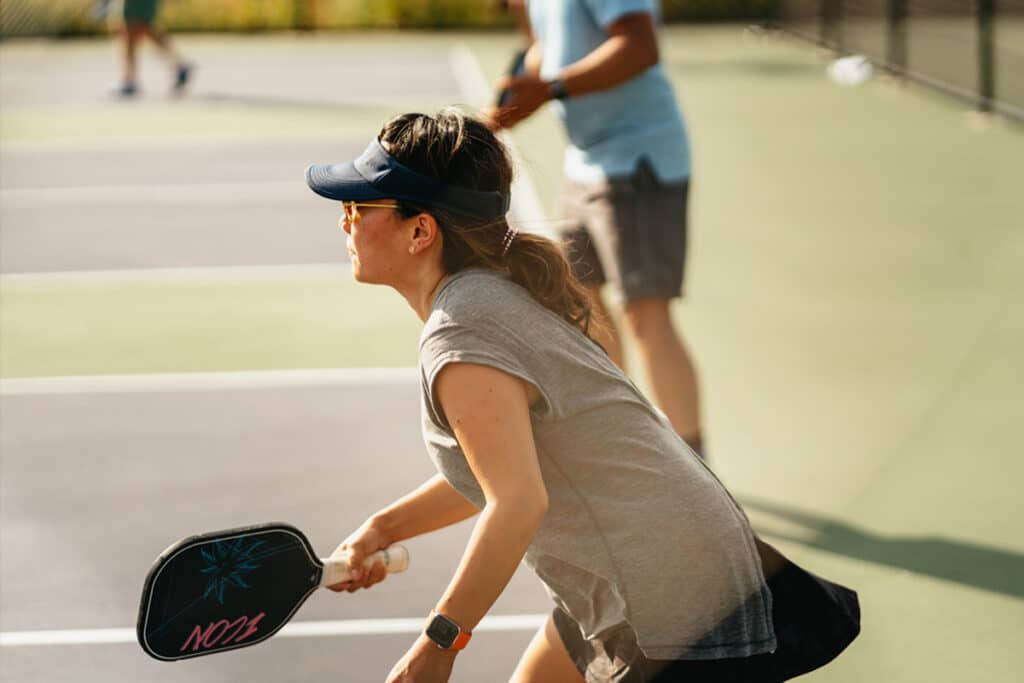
column 479, row 295
column 481, row 307
column 473, row 283
column 473, row 314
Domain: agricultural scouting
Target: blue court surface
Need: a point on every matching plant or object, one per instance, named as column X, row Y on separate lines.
column 182, row 348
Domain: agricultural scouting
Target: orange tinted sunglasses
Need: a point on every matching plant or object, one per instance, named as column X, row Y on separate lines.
column 350, row 210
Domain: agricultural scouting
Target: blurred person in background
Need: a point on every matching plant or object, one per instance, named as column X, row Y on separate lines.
column 517, row 8
column 139, row 23
column 623, row 215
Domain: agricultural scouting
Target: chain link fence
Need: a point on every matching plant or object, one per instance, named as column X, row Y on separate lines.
column 971, row 49
column 42, row 17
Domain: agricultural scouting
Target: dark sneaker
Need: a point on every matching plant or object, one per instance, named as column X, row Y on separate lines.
column 126, row 90
column 181, row 76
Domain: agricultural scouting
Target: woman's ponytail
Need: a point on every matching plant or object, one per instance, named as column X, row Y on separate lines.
column 462, row 151
column 538, row 265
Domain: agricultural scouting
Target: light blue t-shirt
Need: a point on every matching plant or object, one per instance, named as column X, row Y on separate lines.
column 610, row 130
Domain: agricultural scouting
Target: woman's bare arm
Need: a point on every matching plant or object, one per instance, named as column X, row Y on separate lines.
column 489, row 411
column 432, row 506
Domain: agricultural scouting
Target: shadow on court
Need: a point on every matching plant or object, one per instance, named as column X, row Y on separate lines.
column 985, row 567
column 272, row 101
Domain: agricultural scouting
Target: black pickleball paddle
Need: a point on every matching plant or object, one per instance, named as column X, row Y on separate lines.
column 234, row 588
column 516, row 67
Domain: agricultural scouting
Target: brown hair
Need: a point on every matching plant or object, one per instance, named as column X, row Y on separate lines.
column 460, row 150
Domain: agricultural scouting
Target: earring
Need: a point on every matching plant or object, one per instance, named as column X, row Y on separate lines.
column 412, row 249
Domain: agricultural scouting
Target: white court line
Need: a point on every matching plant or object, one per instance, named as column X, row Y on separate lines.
column 302, row 629
column 205, row 381
column 526, row 205
column 170, row 193
column 198, row 273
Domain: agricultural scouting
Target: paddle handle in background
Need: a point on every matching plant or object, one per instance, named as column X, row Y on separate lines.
column 395, row 559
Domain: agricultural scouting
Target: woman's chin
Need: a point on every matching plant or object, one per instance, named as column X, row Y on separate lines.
column 359, row 276
column 354, row 265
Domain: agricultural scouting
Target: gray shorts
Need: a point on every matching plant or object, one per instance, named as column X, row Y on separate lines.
column 629, row 231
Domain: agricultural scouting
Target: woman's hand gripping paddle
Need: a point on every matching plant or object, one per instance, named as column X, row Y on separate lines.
column 230, row 589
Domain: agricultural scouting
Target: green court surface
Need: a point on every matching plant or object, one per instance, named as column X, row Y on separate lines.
column 319, row 320
column 853, row 301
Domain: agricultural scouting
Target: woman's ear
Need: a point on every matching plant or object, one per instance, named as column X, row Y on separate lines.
column 425, row 233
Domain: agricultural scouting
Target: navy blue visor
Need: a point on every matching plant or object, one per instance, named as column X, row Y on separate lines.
column 375, row 174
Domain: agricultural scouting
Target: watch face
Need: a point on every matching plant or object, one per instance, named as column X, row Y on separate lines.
column 442, row 631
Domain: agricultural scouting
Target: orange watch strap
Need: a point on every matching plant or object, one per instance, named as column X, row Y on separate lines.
column 461, row 641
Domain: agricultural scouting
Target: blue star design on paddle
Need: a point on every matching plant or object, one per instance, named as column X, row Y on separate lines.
column 226, row 563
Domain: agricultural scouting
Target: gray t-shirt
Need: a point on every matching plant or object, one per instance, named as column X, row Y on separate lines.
column 638, row 529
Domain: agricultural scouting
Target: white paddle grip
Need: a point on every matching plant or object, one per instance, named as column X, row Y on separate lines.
column 395, row 559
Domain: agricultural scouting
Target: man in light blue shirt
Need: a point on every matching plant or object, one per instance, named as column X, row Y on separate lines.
column 627, row 170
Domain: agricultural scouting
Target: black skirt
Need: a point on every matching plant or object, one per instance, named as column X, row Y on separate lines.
column 814, row 621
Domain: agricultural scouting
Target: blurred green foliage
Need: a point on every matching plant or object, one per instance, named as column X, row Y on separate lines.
column 79, row 17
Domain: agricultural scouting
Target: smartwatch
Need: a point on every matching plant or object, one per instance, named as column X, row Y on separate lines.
column 445, row 633
column 556, row 89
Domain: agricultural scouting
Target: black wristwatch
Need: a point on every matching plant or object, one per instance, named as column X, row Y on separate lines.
column 445, row 633
column 556, row 89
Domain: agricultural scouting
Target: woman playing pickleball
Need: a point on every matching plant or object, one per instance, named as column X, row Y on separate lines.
column 653, row 569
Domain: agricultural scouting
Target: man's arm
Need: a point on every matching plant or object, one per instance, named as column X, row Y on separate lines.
column 531, row 63
column 631, row 49
column 521, row 15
